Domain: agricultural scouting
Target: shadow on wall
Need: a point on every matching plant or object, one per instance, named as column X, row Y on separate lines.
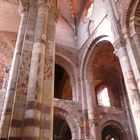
column 62, row 86
column 61, row 129
column 110, row 133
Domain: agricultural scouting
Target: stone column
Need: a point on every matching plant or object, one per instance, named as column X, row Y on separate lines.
column 10, row 94
column 38, row 123
column 88, row 130
column 74, row 89
column 91, row 109
column 131, row 86
column 83, row 102
column 28, row 80
column 34, row 105
column 133, row 53
column 48, row 89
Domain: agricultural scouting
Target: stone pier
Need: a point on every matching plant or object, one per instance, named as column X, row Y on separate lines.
column 28, row 107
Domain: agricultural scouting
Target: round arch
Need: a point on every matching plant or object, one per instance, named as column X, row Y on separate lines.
column 130, row 20
column 131, row 30
column 127, row 10
column 90, row 54
column 89, row 49
column 69, row 67
column 87, row 71
column 72, row 123
column 134, row 27
column 62, row 84
column 116, row 126
column 61, row 129
column 66, row 64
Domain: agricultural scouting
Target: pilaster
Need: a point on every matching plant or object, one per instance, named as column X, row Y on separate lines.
column 48, row 89
column 7, row 115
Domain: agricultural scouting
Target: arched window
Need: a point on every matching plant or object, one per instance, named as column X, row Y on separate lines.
column 107, row 75
column 89, row 11
column 62, row 86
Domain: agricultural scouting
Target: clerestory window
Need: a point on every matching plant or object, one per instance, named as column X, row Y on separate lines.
column 89, row 12
column 103, row 97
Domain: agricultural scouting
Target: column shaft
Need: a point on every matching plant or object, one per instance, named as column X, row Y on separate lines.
column 17, row 120
column 48, row 90
column 10, row 94
column 131, row 86
column 34, row 97
column 91, row 108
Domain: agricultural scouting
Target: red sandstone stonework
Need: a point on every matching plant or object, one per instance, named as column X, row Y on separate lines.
column 95, row 52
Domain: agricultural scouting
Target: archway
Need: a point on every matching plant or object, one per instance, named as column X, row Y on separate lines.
column 61, row 129
column 107, row 75
column 111, row 133
column 101, row 69
column 62, row 86
column 61, row 111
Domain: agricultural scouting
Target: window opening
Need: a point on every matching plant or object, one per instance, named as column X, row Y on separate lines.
column 103, row 97
column 89, row 12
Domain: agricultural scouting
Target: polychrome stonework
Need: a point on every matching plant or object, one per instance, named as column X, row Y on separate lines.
column 69, row 69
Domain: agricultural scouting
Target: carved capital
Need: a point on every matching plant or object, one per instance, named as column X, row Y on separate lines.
column 54, row 10
column 56, row 13
column 24, row 6
column 120, row 52
column 120, row 42
column 44, row 3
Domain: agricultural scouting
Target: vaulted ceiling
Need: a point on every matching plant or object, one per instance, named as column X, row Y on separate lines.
column 69, row 15
column 71, row 10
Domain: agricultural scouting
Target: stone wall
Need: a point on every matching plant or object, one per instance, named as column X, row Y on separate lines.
column 74, row 46
column 112, row 114
column 71, row 112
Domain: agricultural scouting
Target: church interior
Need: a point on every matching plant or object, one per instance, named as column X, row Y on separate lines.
column 69, row 69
